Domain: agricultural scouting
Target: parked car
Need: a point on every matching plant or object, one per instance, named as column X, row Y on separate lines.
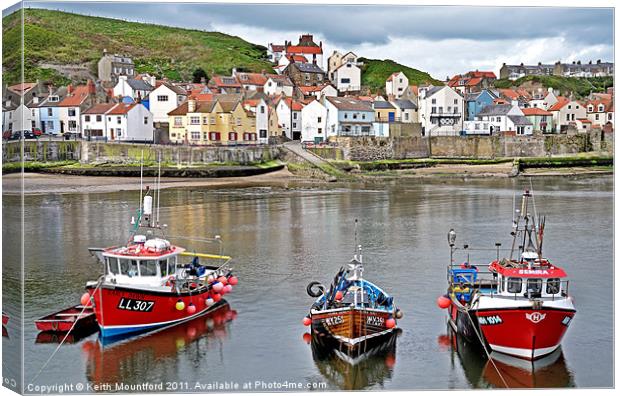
column 37, row 132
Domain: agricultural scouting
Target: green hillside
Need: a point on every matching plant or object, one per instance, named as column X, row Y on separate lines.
column 62, row 38
column 579, row 86
column 375, row 72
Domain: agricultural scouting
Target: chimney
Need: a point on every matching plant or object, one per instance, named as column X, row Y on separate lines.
column 521, row 64
column 105, row 52
column 598, row 62
column 153, row 81
column 203, row 80
column 234, row 71
column 191, row 106
column 590, row 62
column 579, row 62
column 574, row 62
column 91, row 86
column 69, row 89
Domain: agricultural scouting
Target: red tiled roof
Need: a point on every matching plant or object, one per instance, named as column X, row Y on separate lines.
column 252, row 78
column 21, row 87
column 100, row 108
column 218, row 81
column 606, row 105
column 562, row 101
column 297, row 58
column 535, row 111
column 509, row 93
column 298, row 49
column 474, row 81
column 277, row 47
column 202, row 96
column 76, row 98
column 482, row 74
column 391, row 77
column 122, row 108
column 584, row 120
column 296, row 105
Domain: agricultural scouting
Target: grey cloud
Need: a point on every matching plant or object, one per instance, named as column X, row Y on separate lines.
column 355, row 25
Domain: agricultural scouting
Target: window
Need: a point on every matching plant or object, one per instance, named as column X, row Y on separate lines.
column 294, row 115
column 294, row 125
column 590, row 109
column 232, row 136
column 71, row 112
column 346, row 116
column 119, row 132
column 345, row 80
column 318, row 119
column 320, row 131
column 34, row 124
column 406, row 116
column 128, row 267
column 178, row 121
column 355, row 116
column 194, row 120
column 212, row 120
column 456, row 101
column 434, row 101
column 50, row 112
column 163, row 268
column 118, row 120
column 449, row 109
column 205, row 120
column 569, row 107
column 98, row 118
column 262, row 109
column 49, row 125
column 162, row 98
column 534, row 285
column 498, row 119
column 87, row 118
column 148, row 268
column 195, row 135
column 596, row 116
column 72, row 125
column 601, row 108
column 113, row 265
column 214, row 136
column 514, row 285
column 263, row 133
column 238, row 121
column 146, row 120
column 433, row 110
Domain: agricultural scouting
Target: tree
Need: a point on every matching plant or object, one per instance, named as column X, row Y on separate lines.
column 199, row 74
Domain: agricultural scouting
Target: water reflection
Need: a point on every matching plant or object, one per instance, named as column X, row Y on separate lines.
column 503, row 371
column 135, row 359
column 369, row 369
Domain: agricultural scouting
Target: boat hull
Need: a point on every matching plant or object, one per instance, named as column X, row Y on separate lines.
column 75, row 319
column 351, row 330
column 122, row 311
column 5, row 319
column 525, row 332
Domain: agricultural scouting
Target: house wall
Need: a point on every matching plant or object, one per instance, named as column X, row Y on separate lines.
column 137, row 129
column 310, row 124
column 52, row 122
column 160, row 109
column 351, row 72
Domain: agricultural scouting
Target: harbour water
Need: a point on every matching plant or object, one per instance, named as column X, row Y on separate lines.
column 283, row 238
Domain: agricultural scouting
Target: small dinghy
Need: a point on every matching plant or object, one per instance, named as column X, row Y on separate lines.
column 75, row 319
column 355, row 315
column 5, row 319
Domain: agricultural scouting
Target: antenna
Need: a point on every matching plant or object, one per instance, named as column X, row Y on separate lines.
column 158, row 183
column 141, row 164
column 355, row 248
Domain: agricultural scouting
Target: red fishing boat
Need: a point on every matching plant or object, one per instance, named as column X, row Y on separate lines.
column 5, row 319
column 149, row 284
column 76, row 319
column 516, row 306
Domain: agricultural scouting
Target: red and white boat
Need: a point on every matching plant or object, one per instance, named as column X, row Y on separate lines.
column 5, row 319
column 149, row 283
column 516, row 306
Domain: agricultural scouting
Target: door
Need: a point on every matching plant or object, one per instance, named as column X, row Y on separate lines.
column 391, row 116
column 111, row 133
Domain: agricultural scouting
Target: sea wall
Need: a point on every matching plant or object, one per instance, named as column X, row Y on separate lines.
column 98, row 152
column 376, row 148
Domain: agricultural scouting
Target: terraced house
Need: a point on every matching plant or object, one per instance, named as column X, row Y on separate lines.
column 221, row 121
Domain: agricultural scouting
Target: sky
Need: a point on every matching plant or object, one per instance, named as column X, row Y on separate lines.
column 442, row 40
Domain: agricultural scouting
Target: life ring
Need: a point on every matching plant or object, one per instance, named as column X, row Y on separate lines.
column 315, row 293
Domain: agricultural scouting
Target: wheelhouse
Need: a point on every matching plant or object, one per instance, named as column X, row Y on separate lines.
column 537, row 279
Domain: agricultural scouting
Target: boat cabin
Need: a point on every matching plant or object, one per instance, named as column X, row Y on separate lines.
column 530, row 278
column 142, row 262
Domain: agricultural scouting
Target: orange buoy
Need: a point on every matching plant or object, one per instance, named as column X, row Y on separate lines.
column 307, row 321
column 390, row 323
column 85, row 299
column 443, row 302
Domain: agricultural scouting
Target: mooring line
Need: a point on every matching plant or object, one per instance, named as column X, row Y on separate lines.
column 485, row 349
column 65, row 337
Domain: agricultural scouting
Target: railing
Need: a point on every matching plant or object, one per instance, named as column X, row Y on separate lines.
column 445, row 114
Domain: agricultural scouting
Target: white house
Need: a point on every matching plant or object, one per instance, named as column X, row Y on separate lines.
column 440, row 110
column 348, row 77
column 318, row 91
column 260, row 110
column 500, row 118
column 285, row 117
column 396, row 84
column 164, row 99
column 349, row 117
column 314, row 122
column 566, row 112
column 119, row 122
column 137, row 89
column 275, row 52
column 278, row 85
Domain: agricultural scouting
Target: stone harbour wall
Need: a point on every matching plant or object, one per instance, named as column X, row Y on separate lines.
column 121, row 153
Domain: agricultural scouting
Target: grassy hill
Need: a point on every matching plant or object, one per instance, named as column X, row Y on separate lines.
column 375, row 72
column 60, row 38
column 579, row 86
